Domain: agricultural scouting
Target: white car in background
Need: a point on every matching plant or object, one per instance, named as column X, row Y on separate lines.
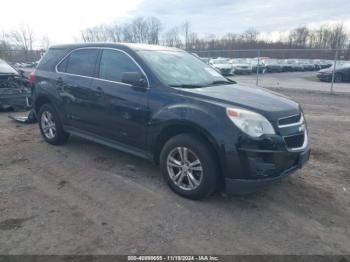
column 222, row 65
column 241, row 66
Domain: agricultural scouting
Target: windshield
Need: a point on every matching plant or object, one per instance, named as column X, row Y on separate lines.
column 180, row 69
column 239, row 61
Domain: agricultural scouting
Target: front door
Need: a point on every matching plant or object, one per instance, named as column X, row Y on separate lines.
column 122, row 109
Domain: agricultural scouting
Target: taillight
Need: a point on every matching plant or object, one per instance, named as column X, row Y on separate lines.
column 31, row 78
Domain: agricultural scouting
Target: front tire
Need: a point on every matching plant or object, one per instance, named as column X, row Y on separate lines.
column 188, row 166
column 338, row 78
column 50, row 126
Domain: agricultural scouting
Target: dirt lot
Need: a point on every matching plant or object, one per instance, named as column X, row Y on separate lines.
column 85, row 198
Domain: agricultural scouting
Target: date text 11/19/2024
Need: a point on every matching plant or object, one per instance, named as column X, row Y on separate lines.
column 173, row 258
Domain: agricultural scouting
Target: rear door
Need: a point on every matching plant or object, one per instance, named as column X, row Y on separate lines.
column 122, row 109
column 74, row 81
column 347, row 74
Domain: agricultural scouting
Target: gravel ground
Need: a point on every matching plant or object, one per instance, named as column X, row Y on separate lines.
column 84, row 198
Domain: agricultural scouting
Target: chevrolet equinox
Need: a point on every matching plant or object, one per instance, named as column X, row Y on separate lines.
column 205, row 131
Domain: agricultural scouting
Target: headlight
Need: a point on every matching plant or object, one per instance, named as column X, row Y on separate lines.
column 250, row 122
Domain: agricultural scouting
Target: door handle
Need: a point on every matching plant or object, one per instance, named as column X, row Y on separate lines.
column 59, row 84
column 99, row 91
column 59, row 81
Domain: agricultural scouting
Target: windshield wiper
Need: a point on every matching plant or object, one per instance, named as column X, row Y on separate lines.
column 217, row 82
column 221, row 82
column 188, row 86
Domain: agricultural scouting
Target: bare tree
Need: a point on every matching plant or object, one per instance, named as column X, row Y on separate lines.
column 45, row 42
column 172, row 38
column 149, row 29
column 299, row 36
column 115, row 33
column 186, row 27
column 128, row 33
column 154, row 28
column 23, row 38
column 140, row 30
column 250, row 35
column 338, row 37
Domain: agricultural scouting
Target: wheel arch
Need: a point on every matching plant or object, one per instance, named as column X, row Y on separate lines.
column 183, row 127
column 40, row 101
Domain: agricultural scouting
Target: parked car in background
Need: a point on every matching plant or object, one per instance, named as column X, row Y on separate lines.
column 285, row 66
column 272, row 65
column 341, row 73
column 205, row 59
column 294, row 65
column 307, row 65
column 14, row 88
column 323, row 63
column 165, row 105
column 316, row 64
column 222, row 65
column 256, row 64
column 241, row 66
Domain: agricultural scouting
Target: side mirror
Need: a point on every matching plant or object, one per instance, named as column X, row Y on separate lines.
column 134, row 79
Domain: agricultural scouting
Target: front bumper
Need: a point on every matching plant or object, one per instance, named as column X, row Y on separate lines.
column 324, row 77
column 242, row 70
column 273, row 170
column 225, row 71
column 15, row 98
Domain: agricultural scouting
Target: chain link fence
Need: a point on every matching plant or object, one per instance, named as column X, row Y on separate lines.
column 321, row 70
column 20, row 56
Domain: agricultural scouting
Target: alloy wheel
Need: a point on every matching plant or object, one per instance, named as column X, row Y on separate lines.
column 184, row 168
column 48, row 125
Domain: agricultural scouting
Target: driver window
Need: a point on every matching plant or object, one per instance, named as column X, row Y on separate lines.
column 114, row 63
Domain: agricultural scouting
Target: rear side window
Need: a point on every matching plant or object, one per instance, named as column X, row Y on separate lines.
column 51, row 58
column 114, row 63
column 81, row 62
column 63, row 66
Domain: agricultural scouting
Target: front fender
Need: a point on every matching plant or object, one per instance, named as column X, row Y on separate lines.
column 209, row 120
column 193, row 115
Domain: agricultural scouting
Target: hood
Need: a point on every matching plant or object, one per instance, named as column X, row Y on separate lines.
column 270, row 104
column 329, row 70
column 6, row 69
column 326, row 70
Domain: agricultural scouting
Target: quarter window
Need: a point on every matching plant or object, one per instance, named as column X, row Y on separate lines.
column 81, row 62
column 114, row 64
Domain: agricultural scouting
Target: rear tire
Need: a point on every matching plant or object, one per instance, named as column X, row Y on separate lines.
column 195, row 174
column 51, row 126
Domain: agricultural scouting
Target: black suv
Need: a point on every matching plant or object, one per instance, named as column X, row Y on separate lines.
column 166, row 105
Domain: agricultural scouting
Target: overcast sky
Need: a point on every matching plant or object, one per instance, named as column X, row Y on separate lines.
column 62, row 20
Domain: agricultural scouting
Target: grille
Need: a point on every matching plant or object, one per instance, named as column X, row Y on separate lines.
column 289, row 120
column 294, row 141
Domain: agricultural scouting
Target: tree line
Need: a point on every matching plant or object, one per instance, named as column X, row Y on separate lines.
column 151, row 31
